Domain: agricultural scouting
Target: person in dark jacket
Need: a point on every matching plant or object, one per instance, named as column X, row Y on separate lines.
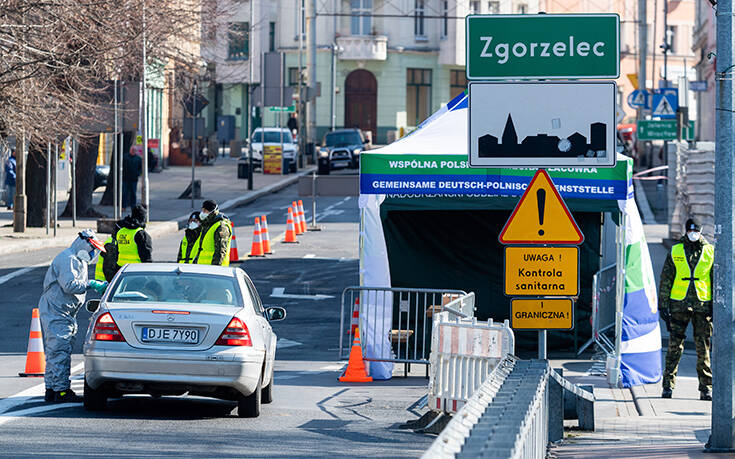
column 132, row 168
column 134, row 244
column 10, row 180
column 214, row 238
column 189, row 247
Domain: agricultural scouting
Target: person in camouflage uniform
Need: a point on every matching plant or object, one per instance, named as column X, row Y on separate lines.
column 214, row 236
column 685, row 294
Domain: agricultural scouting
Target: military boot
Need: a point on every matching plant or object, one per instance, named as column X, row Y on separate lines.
column 666, row 393
column 705, row 395
column 67, row 396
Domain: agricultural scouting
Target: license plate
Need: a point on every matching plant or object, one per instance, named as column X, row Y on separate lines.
column 341, row 163
column 170, row 335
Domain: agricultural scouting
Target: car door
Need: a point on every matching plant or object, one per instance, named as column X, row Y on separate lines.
column 268, row 336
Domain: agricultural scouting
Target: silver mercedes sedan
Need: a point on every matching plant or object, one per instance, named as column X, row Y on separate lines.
column 171, row 329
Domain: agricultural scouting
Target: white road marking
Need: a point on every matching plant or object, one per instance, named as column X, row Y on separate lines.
column 284, row 377
column 27, row 395
column 259, row 214
column 310, row 255
column 284, row 343
column 333, row 367
column 21, row 271
column 279, row 292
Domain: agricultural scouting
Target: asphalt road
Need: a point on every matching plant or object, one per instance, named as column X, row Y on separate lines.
column 313, row 415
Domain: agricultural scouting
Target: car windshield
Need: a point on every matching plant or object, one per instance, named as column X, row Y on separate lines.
column 189, row 288
column 271, row 137
column 342, row 139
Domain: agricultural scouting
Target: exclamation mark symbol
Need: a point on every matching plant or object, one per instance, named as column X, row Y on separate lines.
column 541, row 201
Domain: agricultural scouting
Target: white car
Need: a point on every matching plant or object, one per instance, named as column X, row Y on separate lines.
column 272, row 137
column 169, row 329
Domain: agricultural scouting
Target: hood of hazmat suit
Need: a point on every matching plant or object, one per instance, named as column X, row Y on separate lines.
column 64, row 291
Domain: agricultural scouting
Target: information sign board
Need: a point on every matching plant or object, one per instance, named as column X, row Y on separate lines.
column 542, row 314
column 272, row 159
column 541, row 271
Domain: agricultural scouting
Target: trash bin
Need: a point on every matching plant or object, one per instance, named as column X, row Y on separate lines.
column 242, row 168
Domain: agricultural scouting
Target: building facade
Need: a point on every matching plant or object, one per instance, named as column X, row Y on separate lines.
column 705, row 47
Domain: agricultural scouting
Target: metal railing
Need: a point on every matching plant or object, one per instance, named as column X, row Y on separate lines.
column 603, row 310
column 511, row 415
column 463, row 353
column 395, row 323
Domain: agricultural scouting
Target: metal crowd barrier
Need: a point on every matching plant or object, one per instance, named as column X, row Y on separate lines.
column 516, row 412
column 395, row 323
column 603, row 311
column 463, row 353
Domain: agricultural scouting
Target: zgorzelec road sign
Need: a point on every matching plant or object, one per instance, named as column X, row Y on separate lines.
column 549, row 124
column 543, row 46
column 542, row 314
column 539, row 271
column 662, row 130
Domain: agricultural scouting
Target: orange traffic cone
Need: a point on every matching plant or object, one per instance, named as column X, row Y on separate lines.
column 302, row 216
column 257, row 248
column 355, row 371
column 290, row 231
column 265, row 237
column 234, row 256
column 35, row 358
column 355, row 317
column 296, row 219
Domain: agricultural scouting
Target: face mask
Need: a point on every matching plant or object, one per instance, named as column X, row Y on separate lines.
column 84, row 256
column 203, row 215
column 193, row 225
column 694, row 235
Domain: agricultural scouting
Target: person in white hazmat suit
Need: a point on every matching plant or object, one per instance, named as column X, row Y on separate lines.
column 64, row 289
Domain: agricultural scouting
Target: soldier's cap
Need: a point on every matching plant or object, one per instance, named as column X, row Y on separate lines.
column 692, row 225
column 89, row 236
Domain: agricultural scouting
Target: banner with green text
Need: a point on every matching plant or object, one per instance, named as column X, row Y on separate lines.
column 450, row 175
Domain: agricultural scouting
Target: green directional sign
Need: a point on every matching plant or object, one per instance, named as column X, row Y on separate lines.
column 662, row 130
column 282, row 109
column 543, row 46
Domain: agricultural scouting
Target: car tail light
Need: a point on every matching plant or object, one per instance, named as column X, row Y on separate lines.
column 236, row 334
column 106, row 329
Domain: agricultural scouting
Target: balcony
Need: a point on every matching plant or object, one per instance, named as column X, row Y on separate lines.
column 363, row 47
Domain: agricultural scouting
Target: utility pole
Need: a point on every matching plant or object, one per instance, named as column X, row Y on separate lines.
column 311, row 64
column 642, row 56
column 19, row 206
column 300, row 111
column 723, row 342
column 144, row 125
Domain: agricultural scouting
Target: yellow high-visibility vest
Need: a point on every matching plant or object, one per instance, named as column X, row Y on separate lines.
column 702, row 282
column 99, row 274
column 206, row 246
column 194, row 249
column 127, row 249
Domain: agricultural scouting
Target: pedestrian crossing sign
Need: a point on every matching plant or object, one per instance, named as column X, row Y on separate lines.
column 638, row 99
column 665, row 104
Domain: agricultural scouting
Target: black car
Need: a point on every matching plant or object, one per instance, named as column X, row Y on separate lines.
column 343, row 147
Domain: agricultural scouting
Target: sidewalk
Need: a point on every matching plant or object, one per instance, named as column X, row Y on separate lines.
column 637, row 422
column 167, row 212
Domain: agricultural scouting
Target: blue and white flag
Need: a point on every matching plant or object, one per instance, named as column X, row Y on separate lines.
column 641, row 334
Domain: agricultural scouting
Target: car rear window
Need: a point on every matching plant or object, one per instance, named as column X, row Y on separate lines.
column 188, row 288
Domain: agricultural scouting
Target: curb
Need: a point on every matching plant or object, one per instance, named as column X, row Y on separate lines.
column 642, row 405
column 159, row 228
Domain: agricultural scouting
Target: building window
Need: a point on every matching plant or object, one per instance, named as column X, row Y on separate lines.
column 300, row 10
column 474, row 7
column 445, row 19
column 418, row 18
column 493, row 7
column 293, row 76
column 237, row 40
column 361, row 19
column 457, row 83
column 522, row 8
column 418, row 95
column 271, row 36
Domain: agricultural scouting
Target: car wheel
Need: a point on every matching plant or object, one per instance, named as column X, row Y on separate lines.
column 94, row 399
column 249, row 406
column 292, row 168
column 267, row 393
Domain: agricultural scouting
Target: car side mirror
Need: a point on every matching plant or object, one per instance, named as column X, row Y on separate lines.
column 92, row 305
column 275, row 313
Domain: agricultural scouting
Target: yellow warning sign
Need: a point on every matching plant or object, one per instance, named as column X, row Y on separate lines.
column 633, row 78
column 541, row 217
column 542, row 271
column 542, row 314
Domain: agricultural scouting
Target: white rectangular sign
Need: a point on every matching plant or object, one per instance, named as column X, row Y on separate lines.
column 542, row 124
